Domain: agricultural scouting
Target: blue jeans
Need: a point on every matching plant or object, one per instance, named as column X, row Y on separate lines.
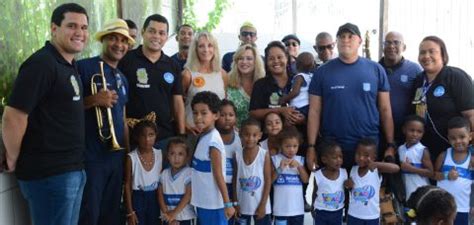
column 55, row 200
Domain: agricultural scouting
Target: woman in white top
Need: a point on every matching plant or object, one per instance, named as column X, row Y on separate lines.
column 202, row 72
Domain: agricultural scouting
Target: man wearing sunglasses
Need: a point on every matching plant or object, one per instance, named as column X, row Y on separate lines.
column 401, row 74
column 247, row 35
column 324, row 46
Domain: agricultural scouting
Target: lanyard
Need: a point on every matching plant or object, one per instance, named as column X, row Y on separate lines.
column 426, row 87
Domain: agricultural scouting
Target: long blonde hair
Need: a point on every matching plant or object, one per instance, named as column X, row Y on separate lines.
column 234, row 73
column 193, row 63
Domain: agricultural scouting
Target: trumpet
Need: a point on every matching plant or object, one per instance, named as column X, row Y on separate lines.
column 112, row 137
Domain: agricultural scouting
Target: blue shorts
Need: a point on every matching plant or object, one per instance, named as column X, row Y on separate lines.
column 356, row 221
column 146, row 207
column 461, row 219
column 323, row 217
column 289, row 220
column 211, row 216
column 247, row 219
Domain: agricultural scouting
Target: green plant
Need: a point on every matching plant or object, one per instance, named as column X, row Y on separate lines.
column 214, row 17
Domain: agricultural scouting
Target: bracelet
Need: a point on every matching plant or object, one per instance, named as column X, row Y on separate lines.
column 130, row 214
column 446, row 175
column 228, row 204
column 310, row 145
column 235, row 203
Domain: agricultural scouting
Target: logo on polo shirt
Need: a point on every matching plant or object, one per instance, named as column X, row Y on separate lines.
column 142, row 78
column 366, row 86
column 274, row 98
column 75, row 86
column 439, row 91
column 169, row 78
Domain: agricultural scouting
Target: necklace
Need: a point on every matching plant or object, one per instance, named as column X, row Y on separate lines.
column 147, row 164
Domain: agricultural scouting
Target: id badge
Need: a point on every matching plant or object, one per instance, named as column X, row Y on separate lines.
column 418, row 96
column 421, row 109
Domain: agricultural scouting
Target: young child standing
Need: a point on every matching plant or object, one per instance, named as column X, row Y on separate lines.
column 298, row 96
column 252, row 181
column 364, row 183
column 415, row 160
column 226, row 127
column 273, row 123
column 289, row 175
column 174, row 191
column 453, row 167
column 209, row 191
column 430, row 205
column 142, row 173
column 329, row 188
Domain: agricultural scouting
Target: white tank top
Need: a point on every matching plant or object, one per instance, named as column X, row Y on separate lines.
column 143, row 180
column 230, row 149
column 461, row 187
column 174, row 188
column 302, row 99
column 415, row 155
column 203, row 82
column 206, row 194
column 364, row 199
column 330, row 194
column 287, row 189
column 250, row 182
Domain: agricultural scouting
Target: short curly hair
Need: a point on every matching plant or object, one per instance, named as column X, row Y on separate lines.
column 209, row 98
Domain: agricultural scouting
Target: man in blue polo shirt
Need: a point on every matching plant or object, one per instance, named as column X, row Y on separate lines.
column 401, row 75
column 103, row 164
column 349, row 96
column 43, row 123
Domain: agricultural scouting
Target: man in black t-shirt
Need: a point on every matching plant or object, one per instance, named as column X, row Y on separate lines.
column 43, row 123
column 154, row 81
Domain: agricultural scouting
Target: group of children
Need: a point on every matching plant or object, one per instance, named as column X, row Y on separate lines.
column 234, row 175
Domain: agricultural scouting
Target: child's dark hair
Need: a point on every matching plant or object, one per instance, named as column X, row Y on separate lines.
column 305, row 62
column 250, row 122
column 459, row 122
column 290, row 132
column 226, row 102
column 209, row 98
column 140, row 126
column 276, row 113
column 428, row 203
column 367, row 141
column 178, row 141
column 325, row 148
column 413, row 118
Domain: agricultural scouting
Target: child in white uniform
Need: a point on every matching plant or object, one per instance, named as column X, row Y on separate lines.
column 364, row 183
column 209, row 192
column 415, row 160
column 174, row 191
column 142, row 173
column 288, row 177
column 273, row 124
column 453, row 167
column 253, row 177
column 329, row 188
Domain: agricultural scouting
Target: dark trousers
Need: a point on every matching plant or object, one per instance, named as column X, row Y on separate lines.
column 147, row 209
column 102, row 193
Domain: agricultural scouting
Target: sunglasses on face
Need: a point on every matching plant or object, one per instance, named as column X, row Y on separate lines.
column 248, row 33
column 323, row 47
column 394, row 43
column 288, row 44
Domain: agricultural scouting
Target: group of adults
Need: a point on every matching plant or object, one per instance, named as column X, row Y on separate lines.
column 50, row 125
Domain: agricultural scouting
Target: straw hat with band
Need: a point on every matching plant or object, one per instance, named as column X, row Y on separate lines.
column 117, row 26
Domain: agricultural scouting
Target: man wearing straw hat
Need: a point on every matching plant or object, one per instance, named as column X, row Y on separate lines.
column 103, row 161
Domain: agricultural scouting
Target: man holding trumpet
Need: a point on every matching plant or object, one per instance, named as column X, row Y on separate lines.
column 105, row 96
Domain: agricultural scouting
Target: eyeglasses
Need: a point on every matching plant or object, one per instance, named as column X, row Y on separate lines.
column 294, row 44
column 323, row 47
column 394, row 43
column 248, row 33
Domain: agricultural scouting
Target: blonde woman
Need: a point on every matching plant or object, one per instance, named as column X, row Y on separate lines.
column 202, row 72
column 247, row 67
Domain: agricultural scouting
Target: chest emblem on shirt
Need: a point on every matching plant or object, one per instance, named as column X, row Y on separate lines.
column 439, row 91
column 333, row 200
column 142, row 77
column 274, row 98
column 250, row 184
column 199, row 82
column 366, row 86
column 404, row 78
column 169, row 78
column 75, row 86
column 363, row 194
